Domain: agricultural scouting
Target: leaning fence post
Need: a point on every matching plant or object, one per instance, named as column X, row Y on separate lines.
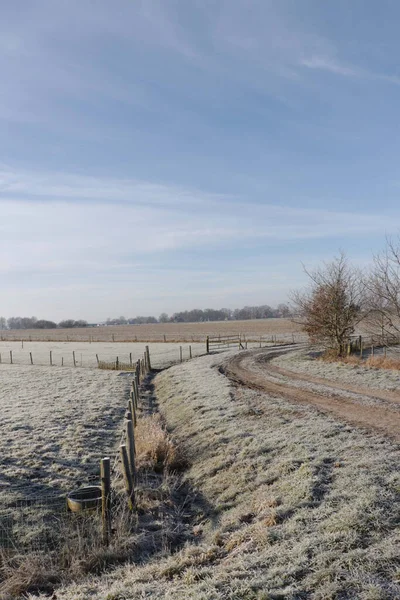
column 105, row 475
column 127, row 476
column 30, row 356
column 73, row 356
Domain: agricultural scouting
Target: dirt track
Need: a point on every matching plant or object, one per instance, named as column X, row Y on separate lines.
column 253, row 369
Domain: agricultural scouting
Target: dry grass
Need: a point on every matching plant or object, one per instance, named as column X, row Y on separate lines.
column 382, row 362
column 372, row 362
column 154, row 447
column 77, row 549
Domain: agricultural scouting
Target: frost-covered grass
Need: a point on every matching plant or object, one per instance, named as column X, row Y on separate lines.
column 291, row 503
column 56, row 424
column 362, row 374
column 162, row 354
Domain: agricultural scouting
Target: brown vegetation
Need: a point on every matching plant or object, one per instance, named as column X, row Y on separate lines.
column 333, row 305
column 372, row 362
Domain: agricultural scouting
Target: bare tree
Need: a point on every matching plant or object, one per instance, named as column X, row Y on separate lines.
column 384, row 292
column 333, row 305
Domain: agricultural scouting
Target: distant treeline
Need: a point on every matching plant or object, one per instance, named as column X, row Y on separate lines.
column 188, row 316
column 199, row 315
column 34, row 323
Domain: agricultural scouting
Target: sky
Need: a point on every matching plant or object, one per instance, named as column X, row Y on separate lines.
column 176, row 154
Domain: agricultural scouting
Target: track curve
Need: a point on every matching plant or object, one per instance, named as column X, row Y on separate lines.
column 253, row 369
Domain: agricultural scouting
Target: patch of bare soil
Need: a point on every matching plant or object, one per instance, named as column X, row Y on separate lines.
column 253, row 369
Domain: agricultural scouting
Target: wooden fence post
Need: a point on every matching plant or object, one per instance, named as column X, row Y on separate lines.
column 11, row 358
column 62, row 361
column 148, row 358
column 130, row 443
column 180, row 353
column 132, row 409
column 135, row 391
column 130, row 358
column 97, row 359
column 105, row 475
column 190, row 352
column 31, row 357
column 127, row 476
column 138, row 370
column 51, row 359
column 73, row 356
column 22, row 343
column 208, row 345
column 165, row 339
column 0, row 358
column 117, row 363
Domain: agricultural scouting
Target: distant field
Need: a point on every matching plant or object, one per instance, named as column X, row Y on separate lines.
column 162, row 355
column 180, row 332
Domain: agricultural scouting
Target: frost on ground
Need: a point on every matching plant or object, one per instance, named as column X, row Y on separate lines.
column 307, row 362
column 162, row 354
column 56, row 424
column 293, row 504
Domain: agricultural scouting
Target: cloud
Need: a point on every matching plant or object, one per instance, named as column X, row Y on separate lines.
column 59, row 219
column 328, row 64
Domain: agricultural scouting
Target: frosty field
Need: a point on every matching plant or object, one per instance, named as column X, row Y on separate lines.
column 162, row 354
column 56, row 425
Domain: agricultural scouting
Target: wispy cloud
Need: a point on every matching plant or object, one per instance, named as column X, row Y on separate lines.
column 329, row 64
column 49, row 226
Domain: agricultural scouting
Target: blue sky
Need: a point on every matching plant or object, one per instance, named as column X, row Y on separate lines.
column 163, row 155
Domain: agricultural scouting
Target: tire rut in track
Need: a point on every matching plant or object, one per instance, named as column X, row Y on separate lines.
column 253, row 369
